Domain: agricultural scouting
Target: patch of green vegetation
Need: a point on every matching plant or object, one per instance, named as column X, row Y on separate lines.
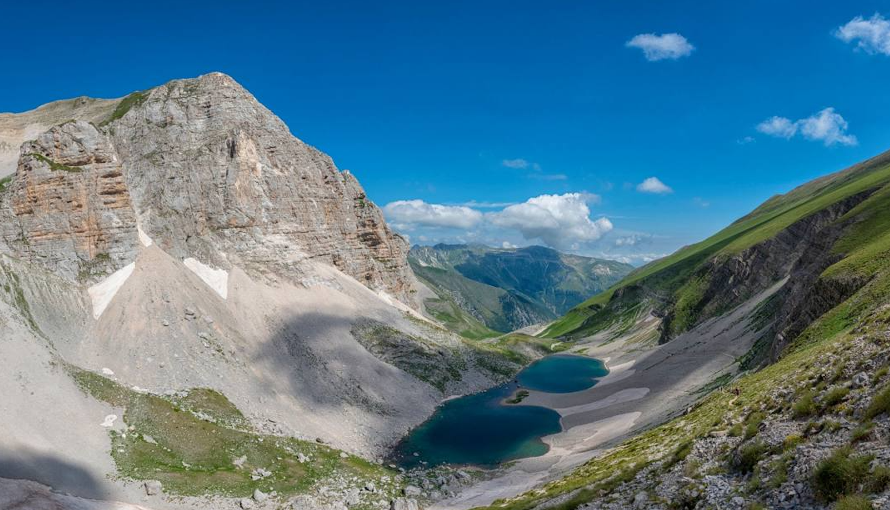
column 5, row 183
column 853, row 502
column 879, row 404
column 439, row 365
column 752, row 424
column 791, row 441
column 840, row 474
column 519, row 397
column 188, row 444
column 748, row 455
column 679, row 455
column 878, row 480
column 834, row 396
column 715, row 384
column 124, row 106
column 13, row 287
column 805, row 405
column 604, row 487
column 53, row 166
column 211, row 405
column 94, row 267
column 688, row 304
column 779, row 472
column 862, row 432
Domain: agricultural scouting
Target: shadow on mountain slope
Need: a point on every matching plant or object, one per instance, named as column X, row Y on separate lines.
column 55, row 472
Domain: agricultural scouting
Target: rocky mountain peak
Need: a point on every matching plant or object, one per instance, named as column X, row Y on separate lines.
column 205, row 171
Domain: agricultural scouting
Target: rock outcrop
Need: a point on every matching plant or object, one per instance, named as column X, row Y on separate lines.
column 69, row 207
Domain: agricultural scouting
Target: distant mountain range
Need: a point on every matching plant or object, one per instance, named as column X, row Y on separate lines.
column 480, row 290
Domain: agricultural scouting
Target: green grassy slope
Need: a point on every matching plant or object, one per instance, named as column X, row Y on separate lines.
column 668, row 279
column 198, row 443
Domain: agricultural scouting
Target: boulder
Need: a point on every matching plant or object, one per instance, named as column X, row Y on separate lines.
column 404, row 504
column 153, row 487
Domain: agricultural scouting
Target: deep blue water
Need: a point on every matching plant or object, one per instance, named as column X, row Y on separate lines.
column 562, row 373
column 482, row 430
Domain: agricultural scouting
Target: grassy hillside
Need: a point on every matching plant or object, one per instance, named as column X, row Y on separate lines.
column 676, row 282
column 480, row 288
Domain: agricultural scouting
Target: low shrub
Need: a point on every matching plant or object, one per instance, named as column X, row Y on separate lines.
column 747, row 456
column 840, row 474
column 879, row 479
column 862, row 432
column 805, row 406
column 753, row 423
column 879, row 404
column 835, row 396
column 855, row 502
column 791, row 441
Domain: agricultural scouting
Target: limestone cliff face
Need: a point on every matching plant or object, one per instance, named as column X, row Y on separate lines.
column 206, row 171
column 68, row 206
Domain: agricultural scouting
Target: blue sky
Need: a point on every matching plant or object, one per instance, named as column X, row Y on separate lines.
column 549, row 114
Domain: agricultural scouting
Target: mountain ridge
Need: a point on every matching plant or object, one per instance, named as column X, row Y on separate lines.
column 506, row 289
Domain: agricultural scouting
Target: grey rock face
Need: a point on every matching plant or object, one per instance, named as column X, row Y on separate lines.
column 68, row 207
column 208, row 172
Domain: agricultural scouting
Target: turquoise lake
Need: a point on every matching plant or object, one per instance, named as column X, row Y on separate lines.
column 481, row 430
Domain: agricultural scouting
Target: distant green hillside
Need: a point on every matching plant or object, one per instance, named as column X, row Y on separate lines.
column 801, row 233
column 482, row 291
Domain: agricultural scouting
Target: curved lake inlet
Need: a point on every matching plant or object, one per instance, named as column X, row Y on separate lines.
column 482, row 429
column 562, row 373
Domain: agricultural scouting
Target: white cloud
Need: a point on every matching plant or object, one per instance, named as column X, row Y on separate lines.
column 406, row 213
column 560, row 221
column 746, row 140
column 635, row 258
column 780, row 127
column 485, row 205
column 871, row 35
column 826, row 126
column 661, row 47
column 654, row 185
column 631, row 240
column 507, row 245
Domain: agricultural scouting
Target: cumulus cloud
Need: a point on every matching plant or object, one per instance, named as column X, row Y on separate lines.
column 654, row 185
column 661, row 47
column 560, row 221
column 826, row 126
column 485, row 205
column 780, row 127
column 406, row 213
column 871, row 35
